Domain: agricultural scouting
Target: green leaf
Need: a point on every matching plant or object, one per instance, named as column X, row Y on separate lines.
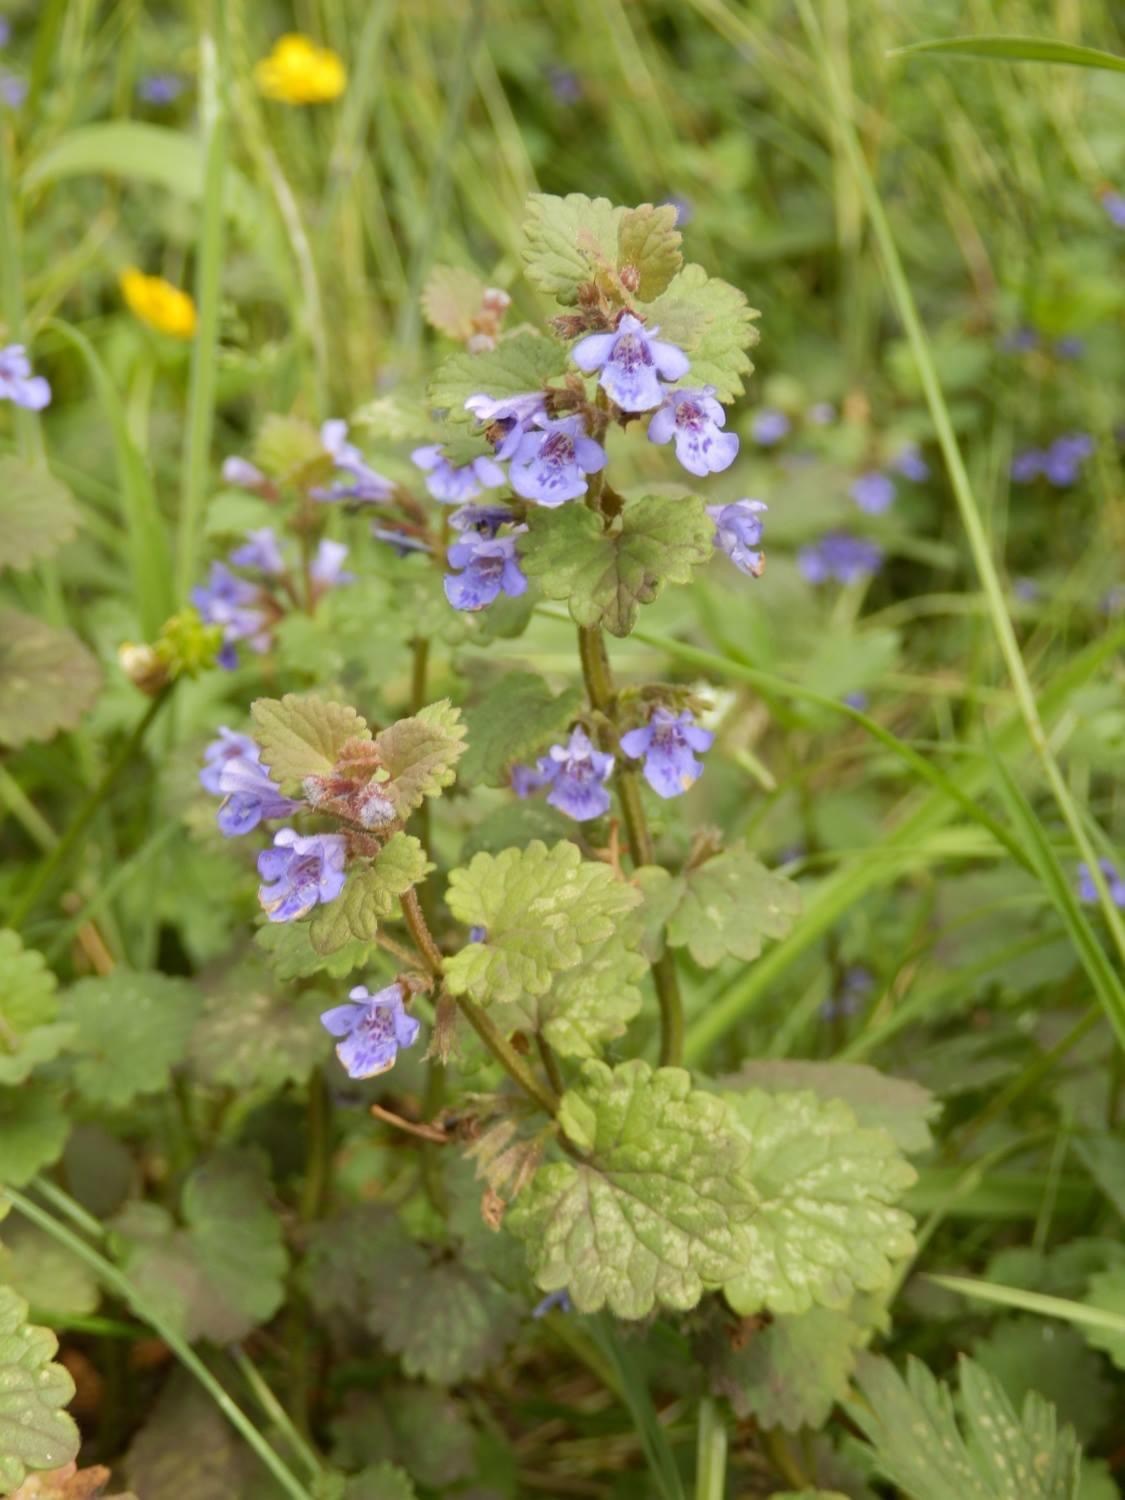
column 380, row 1482
column 660, row 1206
column 1036, row 1354
column 789, row 1373
column 539, row 908
column 423, row 1430
column 33, row 1130
column 291, row 955
column 371, row 893
column 29, row 1033
column 899, row 1106
column 524, row 362
column 419, row 754
column 517, row 717
column 231, row 513
column 251, row 1037
column 451, row 301
column 48, row 679
column 223, row 1274
column 825, row 1228
column 37, row 514
column 723, row 907
column 568, row 242
column 290, row 450
column 186, row 1448
column 1018, row 49
column 302, row 737
column 44, row 1273
column 996, row 1455
column 1106, row 1292
column 35, row 1431
column 605, row 574
column 649, row 242
column 131, row 1030
column 713, row 324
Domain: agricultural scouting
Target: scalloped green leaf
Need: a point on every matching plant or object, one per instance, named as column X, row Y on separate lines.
column 48, row 679
column 44, row 1273
column 37, row 514
column 899, row 1106
column 649, row 243
column 523, row 362
column 35, row 1431
column 451, row 301
column 370, row 895
column 826, row 1226
column 606, row 573
column 419, row 754
column 423, row 1430
column 1106, row 1292
column 131, row 1030
column 33, row 1130
column 252, row 1037
column 1053, row 1359
column 659, row 1206
column 712, row 322
column 383, row 1481
column 539, row 908
column 290, row 954
column 569, row 241
column 302, row 737
column 722, row 908
column 789, row 1373
column 290, row 450
column 517, row 715
column 29, row 1031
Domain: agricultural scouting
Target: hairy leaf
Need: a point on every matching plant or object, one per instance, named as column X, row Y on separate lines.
column 659, row 1207
column 713, row 324
column 37, row 514
column 899, row 1106
column 524, row 362
column 606, row 574
column 250, row 1036
column 291, row 955
column 721, row 908
column 48, row 679
column 29, row 1032
column 419, row 754
column 517, row 716
column 35, row 1431
column 789, row 1373
column 590, row 1003
column 649, row 242
column 131, row 1030
column 825, row 1227
column 1033, row 1354
column 370, row 894
column 569, row 242
column 451, row 299
column 33, row 1130
column 303, row 737
column 44, row 1272
column 538, row 907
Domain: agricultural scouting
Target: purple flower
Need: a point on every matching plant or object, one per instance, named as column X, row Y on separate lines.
column 401, row 541
column 1088, row 891
column 1114, row 205
column 551, row 463
column 1027, row 465
column 840, row 556
column 873, row 492
column 911, row 465
column 327, row 566
column 251, row 795
column 228, row 600
column 738, row 530
column 455, row 484
column 1028, row 590
column 1063, row 460
column 694, row 418
column 5, row 31
column 666, row 743
column 560, row 1299
column 507, row 418
column 565, row 84
column 18, row 384
column 685, row 209
column 485, row 520
column 491, row 567
column 576, row 774
column 822, row 414
column 857, row 985
column 1019, row 341
column 373, row 1028
column 242, row 473
column 260, row 550
column 858, row 700
column 227, row 747
column 298, row 872
column 361, row 483
column 160, row 88
column 630, row 360
column 769, row 427
column 13, row 90
column 1070, row 346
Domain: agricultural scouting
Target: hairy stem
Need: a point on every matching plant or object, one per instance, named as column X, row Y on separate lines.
column 550, row 1064
column 598, row 678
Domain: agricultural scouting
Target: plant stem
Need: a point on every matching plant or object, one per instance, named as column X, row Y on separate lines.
column 275, row 1411
column 550, row 1063
column 121, row 1285
column 57, row 857
column 600, row 690
column 710, row 1452
column 428, row 950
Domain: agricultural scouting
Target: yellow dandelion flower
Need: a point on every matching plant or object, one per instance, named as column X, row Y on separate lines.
column 297, row 71
column 158, row 303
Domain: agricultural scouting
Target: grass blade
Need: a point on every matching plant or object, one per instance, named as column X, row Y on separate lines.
column 1016, row 49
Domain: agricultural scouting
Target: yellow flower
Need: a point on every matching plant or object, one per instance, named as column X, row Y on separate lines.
column 297, row 71
column 158, row 303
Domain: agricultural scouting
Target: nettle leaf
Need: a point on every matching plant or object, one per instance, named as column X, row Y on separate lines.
column 291, row 955
column 382, row 1481
column 35, row 1431
column 424, row 1430
column 659, row 1210
column 825, row 1227
column 569, row 241
column 29, row 1031
column 516, row 718
column 1051, row 1358
column 37, row 514
column 131, row 1030
column 419, row 753
column 649, row 242
column 912, row 1426
column 371, row 894
column 524, row 362
column 899, row 1106
column 302, row 737
column 605, row 574
column 48, row 679
column 721, row 908
column 289, row 450
column 712, row 322
column 451, row 300
column 223, row 1273
column 539, row 907
column 1107, row 1293
column 33, row 1130
column 251, row 1037
column 789, row 1373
